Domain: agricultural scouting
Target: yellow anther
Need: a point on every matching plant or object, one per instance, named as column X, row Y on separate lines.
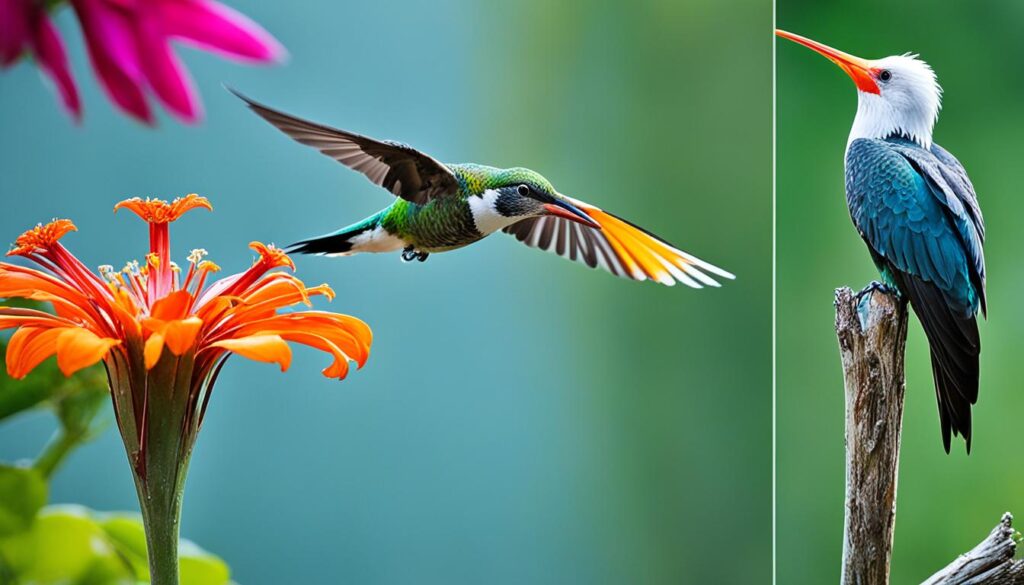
column 209, row 266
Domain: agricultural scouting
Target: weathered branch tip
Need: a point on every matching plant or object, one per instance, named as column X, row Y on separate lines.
column 989, row 563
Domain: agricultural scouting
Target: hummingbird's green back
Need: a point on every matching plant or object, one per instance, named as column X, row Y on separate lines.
column 447, row 222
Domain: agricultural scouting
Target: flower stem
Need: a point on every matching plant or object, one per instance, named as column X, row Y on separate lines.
column 159, row 459
column 160, row 493
column 161, row 518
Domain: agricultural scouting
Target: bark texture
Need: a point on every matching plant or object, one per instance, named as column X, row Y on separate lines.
column 989, row 563
column 872, row 332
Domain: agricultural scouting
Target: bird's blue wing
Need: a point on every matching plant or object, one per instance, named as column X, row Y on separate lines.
column 959, row 184
column 921, row 222
column 969, row 222
column 905, row 210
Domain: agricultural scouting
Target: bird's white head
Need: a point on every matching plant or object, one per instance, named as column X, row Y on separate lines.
column 897, row 96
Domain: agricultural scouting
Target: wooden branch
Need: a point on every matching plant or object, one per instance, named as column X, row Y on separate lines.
column 872, row 332
column 989, row 563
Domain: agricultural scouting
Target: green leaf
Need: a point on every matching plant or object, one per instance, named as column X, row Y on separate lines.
column 17, row 554
column 129, row 538
column 23, row 492
column 73, row 545
column 47, row 383
column 199, row 567
column 20, row 395
column 70, row 547
column 196, row 566
column 82, row 397
column 77, row 408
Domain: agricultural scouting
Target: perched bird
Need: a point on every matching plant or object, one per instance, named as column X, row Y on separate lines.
column 916, row 210
column 442, row 207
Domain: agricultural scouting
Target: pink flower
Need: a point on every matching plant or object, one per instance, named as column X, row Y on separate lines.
column 129, row 43
column 25, row 25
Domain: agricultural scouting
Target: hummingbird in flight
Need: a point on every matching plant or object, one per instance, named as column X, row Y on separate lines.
column 441, row 207
column 915, row 208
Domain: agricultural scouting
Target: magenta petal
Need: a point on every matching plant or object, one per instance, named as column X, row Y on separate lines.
column 112, row 52
column 14, row 25
column 217, row 28
column 54, row 61
column 164, row 72
column 112, row 27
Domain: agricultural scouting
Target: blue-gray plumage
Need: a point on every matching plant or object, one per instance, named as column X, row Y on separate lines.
column 915, row 208
column 918, row 213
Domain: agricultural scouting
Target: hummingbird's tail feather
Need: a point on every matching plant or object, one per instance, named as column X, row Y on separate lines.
column 366, row 236
column 336, row 244
column 955, row 348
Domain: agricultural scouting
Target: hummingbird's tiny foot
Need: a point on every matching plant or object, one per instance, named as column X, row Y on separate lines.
column 409, row 254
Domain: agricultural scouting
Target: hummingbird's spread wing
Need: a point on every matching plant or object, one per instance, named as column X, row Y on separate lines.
column 619, row 247
column 399, row 168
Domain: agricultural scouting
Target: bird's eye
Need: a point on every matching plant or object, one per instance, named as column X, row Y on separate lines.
column 885, row 75
column 523, row 190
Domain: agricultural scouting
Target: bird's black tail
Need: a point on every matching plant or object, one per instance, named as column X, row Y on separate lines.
column 337, row 243
column 955, row 347
column 329, row 244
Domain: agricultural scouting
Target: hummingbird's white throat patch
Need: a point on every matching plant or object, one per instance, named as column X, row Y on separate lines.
column 485, row 213
column 908, row 103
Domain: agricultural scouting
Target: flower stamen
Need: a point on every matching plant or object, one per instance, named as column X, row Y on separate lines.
column 41, row 237
column 154, row 210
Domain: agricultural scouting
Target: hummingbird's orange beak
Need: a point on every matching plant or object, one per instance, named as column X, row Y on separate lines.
column 859, row 70
column 567, row 210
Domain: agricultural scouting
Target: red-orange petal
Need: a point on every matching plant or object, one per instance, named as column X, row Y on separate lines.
column 261, row 348
column 350, row 334
column 11, row 317
column 152, row 350
column 22, row 282
column 180, row 335
column 173, row 306
column 79, row 348
column 28, row 347
column 41, row 237
column 276, row 293
column 160, row 211
column 272, row 256
column 276, row 285
column 339, row 367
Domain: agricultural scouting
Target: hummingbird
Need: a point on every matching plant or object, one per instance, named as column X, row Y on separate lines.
column 441, row 207
column 915, row 207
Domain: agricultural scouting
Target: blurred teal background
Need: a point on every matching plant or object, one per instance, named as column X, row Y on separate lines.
column 522, row 419
column 946, row 504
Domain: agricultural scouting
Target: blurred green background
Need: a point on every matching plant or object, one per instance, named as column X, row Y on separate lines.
column 522, row 420
column 946, row 504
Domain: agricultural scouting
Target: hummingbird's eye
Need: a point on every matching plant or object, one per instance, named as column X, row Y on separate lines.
column 524, row 190
column 885, row 75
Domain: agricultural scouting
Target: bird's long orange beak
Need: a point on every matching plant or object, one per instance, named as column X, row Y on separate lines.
column 858, row 69
column 567, row 210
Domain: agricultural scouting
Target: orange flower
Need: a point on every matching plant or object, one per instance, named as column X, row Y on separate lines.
column 163, row 336
column 154, row 306
column 154, row 323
